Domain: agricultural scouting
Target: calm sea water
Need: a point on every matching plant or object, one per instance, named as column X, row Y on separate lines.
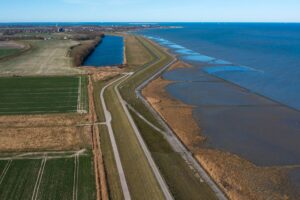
column 108, row 53
column 264, row 58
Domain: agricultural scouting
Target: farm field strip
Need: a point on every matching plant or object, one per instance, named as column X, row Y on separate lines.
column 31, row 95
column 48, row 177
column 39, row 178
column 41, row 155
column 5, row 171
column 76, row 172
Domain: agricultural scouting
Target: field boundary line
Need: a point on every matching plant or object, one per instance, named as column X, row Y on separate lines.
column 7, row 166
column 79, row 95
column 41, row 155
column 76, row 177
column 38, row 112
column 39, row 179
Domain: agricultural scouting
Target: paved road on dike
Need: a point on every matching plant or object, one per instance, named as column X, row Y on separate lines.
column 172, row 138
column 108, row 120
column 147, row 153
column 168, row 134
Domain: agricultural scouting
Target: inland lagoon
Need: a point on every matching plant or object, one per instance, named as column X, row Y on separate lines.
column 108, row 53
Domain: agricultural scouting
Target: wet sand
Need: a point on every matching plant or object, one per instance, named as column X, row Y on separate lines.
column 237, row 136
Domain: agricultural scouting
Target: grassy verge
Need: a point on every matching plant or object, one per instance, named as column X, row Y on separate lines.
column 143, row 73
column 113, row 180
column 140, row 178
column 183, row 182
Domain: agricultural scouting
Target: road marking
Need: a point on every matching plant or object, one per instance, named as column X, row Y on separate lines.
column 39, row 179
column 7, row 166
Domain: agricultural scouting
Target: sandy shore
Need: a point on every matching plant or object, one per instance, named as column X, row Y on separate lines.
column 239, row 178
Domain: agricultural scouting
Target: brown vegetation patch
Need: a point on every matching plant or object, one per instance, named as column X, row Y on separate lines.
column 242, row 179
column 85, row 48
column 43, row 132
column 135, row 55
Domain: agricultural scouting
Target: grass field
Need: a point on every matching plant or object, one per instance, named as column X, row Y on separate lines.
column 8, row 52
column 35, row 95
column 70, row 177
column 45, row 58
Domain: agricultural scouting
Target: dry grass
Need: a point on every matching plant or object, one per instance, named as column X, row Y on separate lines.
column 45, row 58
column 135, row 53
column 43, row 132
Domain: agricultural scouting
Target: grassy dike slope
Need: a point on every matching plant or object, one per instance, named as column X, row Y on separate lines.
column 141, row 181
column 181, row 179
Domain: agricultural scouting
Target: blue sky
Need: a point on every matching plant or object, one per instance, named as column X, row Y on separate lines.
column 150, row 10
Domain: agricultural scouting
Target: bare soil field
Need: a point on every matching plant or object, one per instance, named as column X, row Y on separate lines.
column 239, row 178
column 49, row 57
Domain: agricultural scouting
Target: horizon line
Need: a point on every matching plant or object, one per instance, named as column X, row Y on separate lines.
column 151, row 22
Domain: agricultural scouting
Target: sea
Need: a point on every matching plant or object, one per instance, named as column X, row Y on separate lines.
column 262, row 57
column 244, row 85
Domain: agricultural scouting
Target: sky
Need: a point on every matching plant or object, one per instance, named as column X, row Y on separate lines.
column 150, row 11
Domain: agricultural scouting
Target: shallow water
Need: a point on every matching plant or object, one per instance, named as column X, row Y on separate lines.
column 272, row 50
column 108, row 53
column 234, row 119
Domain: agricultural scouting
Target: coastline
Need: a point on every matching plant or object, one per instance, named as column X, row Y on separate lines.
column 239, row 178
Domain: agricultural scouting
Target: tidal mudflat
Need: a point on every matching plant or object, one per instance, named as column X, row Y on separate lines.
column 254, row 133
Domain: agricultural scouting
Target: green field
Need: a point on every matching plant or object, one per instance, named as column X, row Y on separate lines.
column 59, row 178
column 8, row 52
column 36, row 95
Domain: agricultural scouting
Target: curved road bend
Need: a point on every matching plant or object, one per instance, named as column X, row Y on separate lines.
column 146, row 151
column 173, row 139
column 108, row 120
